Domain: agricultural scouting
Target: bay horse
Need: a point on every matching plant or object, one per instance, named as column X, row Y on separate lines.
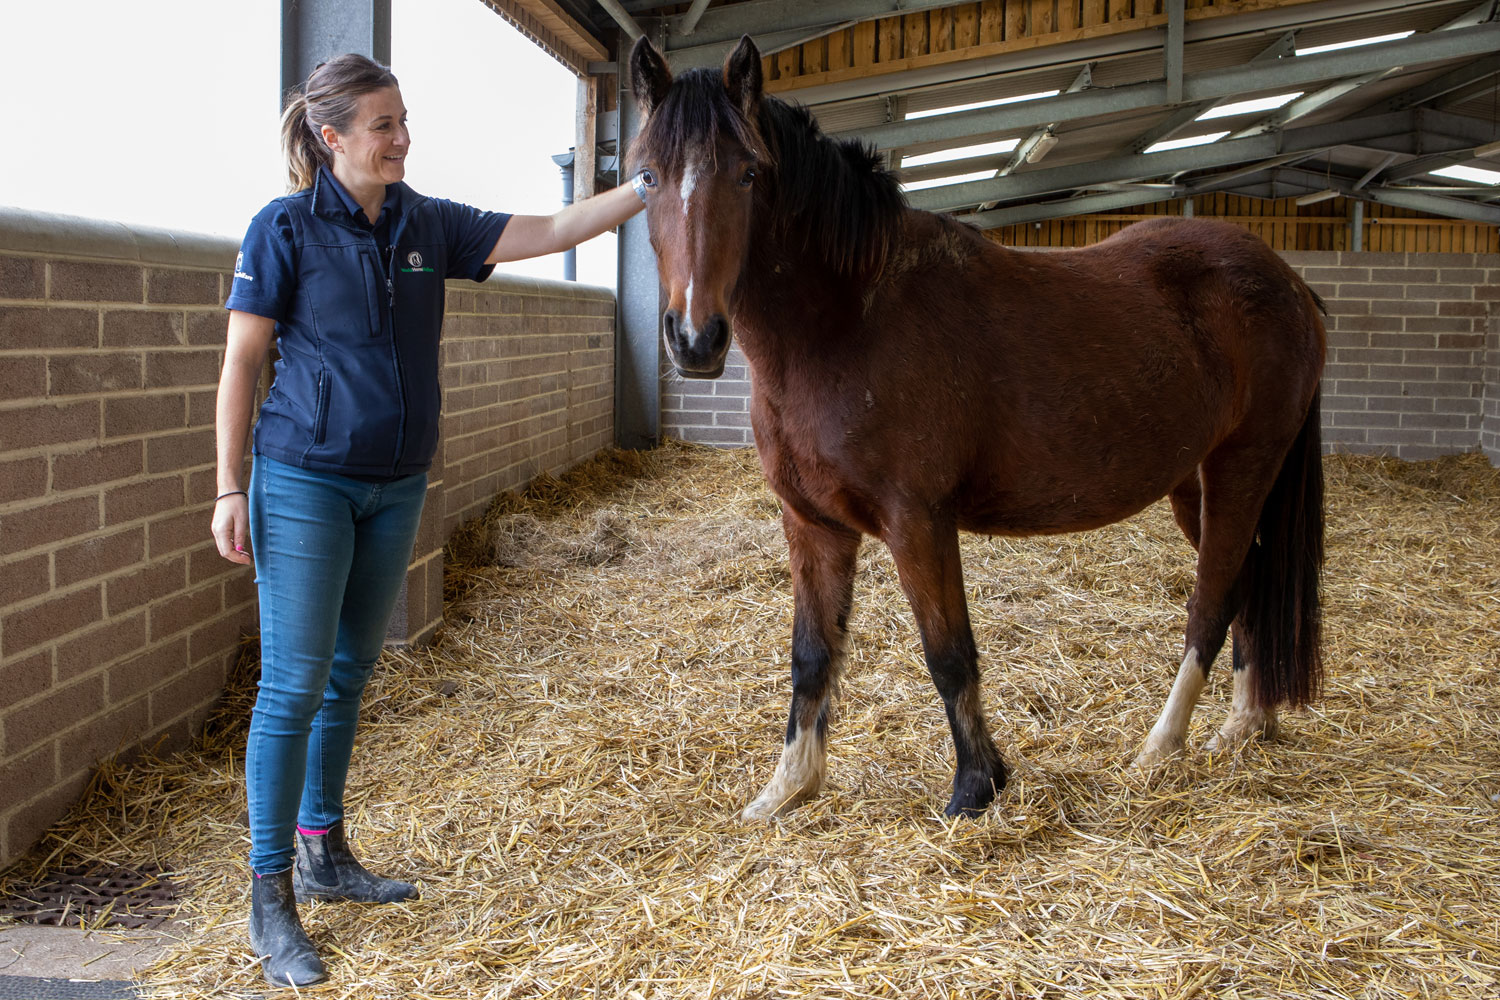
column 911, row 379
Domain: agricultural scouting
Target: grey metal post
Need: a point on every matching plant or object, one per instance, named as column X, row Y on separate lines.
column 570, row 255
column 1357, row 228
column 637, row 323
column 313, row 31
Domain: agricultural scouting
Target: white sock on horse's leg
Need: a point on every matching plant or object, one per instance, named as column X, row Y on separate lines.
column 1169, row 735
column 798, row 777
column 1247, row 721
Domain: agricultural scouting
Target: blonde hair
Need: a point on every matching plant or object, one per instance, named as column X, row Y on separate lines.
column 330, row 97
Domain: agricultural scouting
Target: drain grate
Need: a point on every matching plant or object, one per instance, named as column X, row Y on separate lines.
column 94, row 895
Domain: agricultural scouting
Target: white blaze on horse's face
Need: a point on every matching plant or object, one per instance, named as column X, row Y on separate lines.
column 699, row 221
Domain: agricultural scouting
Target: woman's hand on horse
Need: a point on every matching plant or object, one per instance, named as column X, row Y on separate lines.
column 231, row 528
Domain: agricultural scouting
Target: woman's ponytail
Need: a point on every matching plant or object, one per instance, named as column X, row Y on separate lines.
column 330, row 97
column 304, row 151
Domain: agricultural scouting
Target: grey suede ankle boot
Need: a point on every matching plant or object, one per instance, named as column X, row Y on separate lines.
column 326, row 869
column 276, row 935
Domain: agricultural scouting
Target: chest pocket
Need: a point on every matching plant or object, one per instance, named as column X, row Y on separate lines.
column 375, row 290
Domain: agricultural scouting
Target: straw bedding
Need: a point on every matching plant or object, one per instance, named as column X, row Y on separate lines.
column 563, row 771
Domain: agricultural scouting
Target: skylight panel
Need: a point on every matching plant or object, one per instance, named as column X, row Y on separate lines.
column 1247, row 107
column 960, row 152
column 978, row 175
column 1192, row 140
column 1372, row 40
column 954, row 109
column 1475, row 175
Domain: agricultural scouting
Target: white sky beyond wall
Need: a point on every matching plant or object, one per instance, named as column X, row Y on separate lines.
column 166, row 114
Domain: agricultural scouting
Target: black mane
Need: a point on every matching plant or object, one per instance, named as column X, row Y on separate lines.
column 820, row 193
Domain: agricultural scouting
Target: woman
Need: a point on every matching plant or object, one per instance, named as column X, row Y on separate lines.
column 346, row 273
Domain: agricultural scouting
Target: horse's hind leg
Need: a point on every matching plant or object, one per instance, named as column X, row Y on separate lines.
column 822, row 561
column 1230, row 489
column 1247, row 720
column 927, row 558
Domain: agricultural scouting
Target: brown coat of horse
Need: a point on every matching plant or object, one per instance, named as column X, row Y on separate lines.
column 912, row 379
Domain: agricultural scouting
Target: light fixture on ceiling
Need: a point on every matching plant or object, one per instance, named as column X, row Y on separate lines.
column 1042, row 146
column 1317, row 196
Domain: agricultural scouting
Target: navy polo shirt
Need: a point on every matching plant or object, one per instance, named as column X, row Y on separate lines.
column 358, row 311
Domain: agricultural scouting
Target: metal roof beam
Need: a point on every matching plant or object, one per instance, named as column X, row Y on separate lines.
column 622, row 17
column 1435, row 204
column 1183, row 117
column 1465, row 75
column 1224, row 153
column 1207, row 85
column 1086, row 205
column 720, row 25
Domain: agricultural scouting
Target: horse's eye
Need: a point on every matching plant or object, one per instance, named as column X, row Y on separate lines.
column 748, row 178
column 648, row 178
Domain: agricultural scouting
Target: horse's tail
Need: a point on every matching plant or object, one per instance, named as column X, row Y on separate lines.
column 1280, row 618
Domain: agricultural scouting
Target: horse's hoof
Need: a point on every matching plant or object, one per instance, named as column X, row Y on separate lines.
column 1244, row 727
column 973, row 793
column 1152, row 757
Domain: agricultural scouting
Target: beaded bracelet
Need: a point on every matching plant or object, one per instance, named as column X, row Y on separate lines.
column 231, row 493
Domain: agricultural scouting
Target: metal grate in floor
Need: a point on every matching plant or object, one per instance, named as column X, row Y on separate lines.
column 93, row 896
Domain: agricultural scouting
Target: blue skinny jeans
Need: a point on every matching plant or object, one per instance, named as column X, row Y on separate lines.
column 330, row 556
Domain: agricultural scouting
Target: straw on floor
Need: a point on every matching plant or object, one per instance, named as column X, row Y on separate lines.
column 563, row 771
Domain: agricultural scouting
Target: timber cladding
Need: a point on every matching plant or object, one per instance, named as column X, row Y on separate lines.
column 118, row 619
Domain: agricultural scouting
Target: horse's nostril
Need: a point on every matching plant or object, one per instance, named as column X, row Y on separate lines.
column 669, row 322
column 716, row 337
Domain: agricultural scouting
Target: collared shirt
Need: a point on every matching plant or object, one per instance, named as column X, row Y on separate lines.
column 359, row 311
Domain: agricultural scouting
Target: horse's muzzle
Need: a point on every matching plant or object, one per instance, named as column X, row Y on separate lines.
column 696, row 353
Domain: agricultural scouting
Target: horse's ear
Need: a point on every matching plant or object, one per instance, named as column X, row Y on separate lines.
column 742, row 76
column 649, row 77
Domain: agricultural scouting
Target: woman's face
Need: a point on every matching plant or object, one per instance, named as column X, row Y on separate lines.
column 373, row 151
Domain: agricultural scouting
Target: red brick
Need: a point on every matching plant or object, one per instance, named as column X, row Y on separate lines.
column 76, row 374
column 133, row 415
column 142, row 328
column 142, row 672
column 207, row 564
column 96, row 557
column 182, row 287
column 143, row 500
column 240, row 588
column 104, row 464
column 181, row 369
column 24, row 579
column 51, row 801
column 63, row 708
column 222, row 635
column 26, row 529
column 22, row 278
column 207, row 328
column 177, row 452
column 43, row 328
column 203, row 407
column 150, row 584
column 51, row 619
column 180, row 613
column 27, row 677
column 107, row 736
column 35, row 426
column 22, row 378
column 189, row 529
column 81, row 281
column 24, row 776
column 115, row 638
column 190, row 693
column 23, row 479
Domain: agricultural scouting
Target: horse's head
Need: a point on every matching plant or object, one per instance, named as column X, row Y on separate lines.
column 697, row 155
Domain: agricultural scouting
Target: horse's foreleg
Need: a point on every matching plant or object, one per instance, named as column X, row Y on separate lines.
column 927, row 557
column 822, row 561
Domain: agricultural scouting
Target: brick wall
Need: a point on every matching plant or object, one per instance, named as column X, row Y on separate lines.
column 1413, row 363
column 118, row 620
column 1412, row 351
